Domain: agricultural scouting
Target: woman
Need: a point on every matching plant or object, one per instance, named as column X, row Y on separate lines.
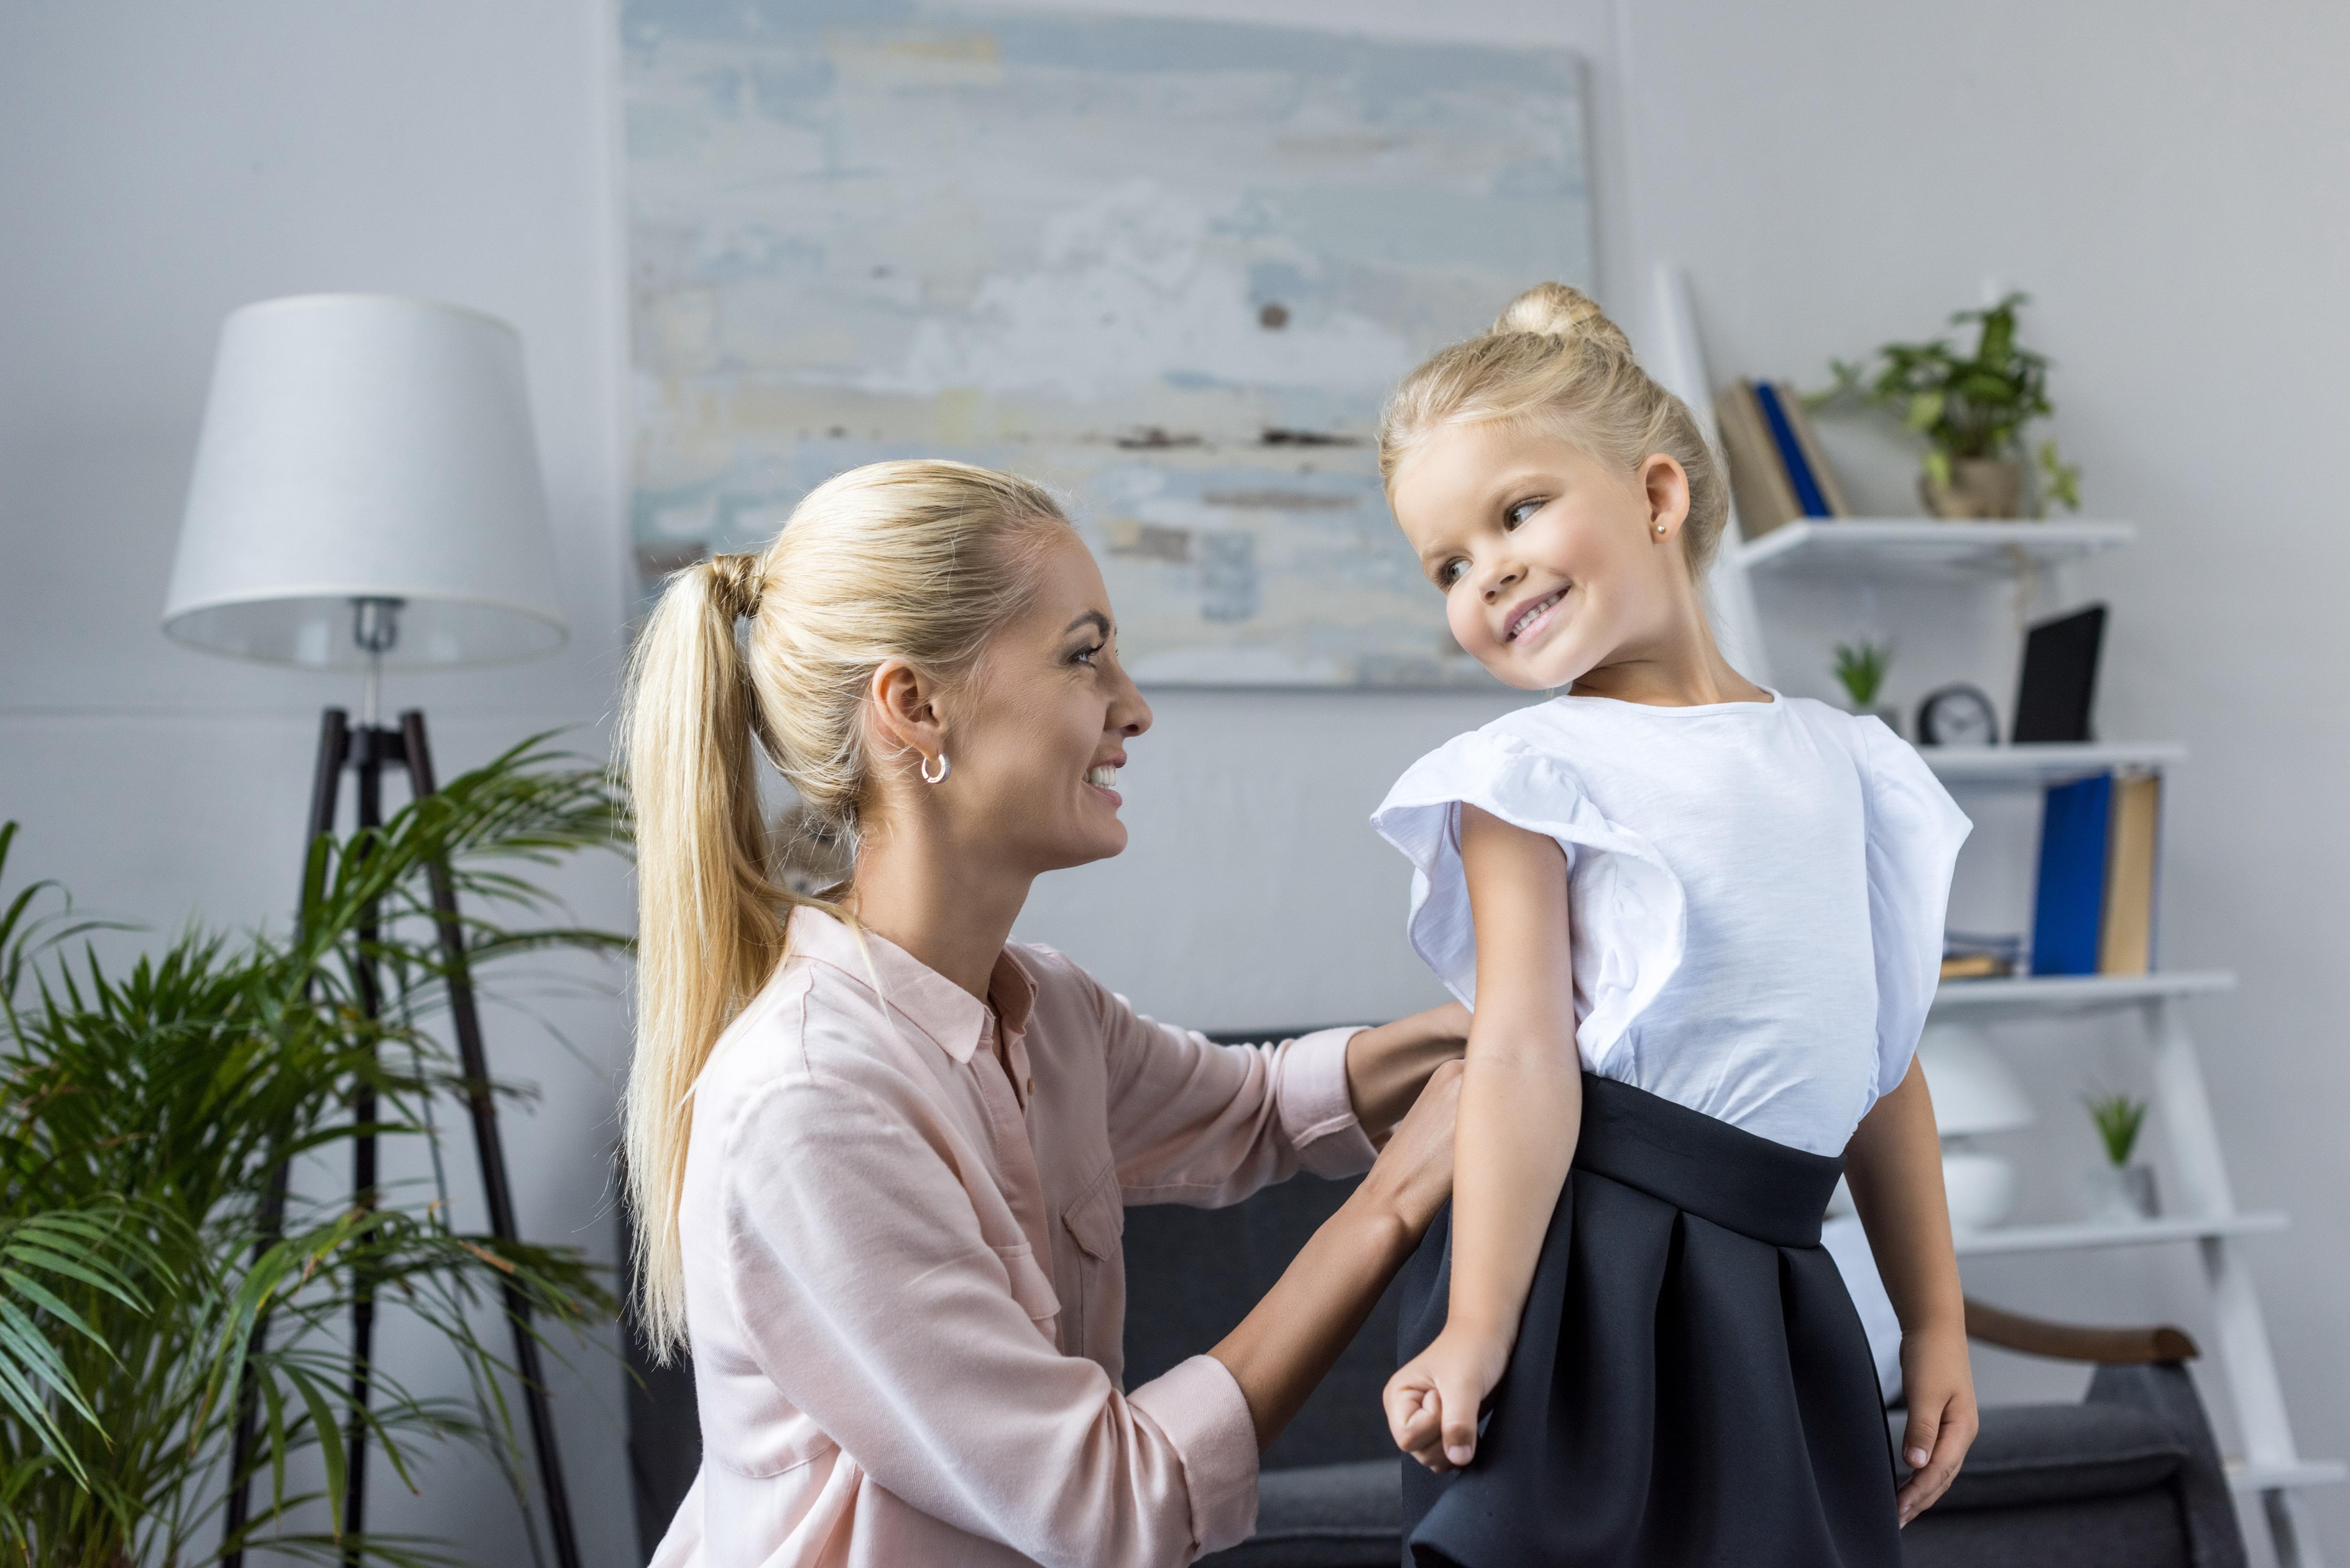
column 879, row 1157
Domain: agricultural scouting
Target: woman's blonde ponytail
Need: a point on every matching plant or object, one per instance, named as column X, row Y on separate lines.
column 773, row 653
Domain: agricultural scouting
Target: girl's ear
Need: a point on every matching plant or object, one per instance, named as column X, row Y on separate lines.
column 905, row 709
column 1665, row 485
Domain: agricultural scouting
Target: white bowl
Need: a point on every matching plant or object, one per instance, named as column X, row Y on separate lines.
column 1980, row 1187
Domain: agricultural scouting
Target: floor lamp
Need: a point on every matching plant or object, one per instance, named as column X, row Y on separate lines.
column 367, row 495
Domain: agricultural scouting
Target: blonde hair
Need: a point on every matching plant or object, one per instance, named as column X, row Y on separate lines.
column 1553, row 358
column 918, row 561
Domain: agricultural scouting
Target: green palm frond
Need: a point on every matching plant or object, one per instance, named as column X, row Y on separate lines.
column 145, row 1107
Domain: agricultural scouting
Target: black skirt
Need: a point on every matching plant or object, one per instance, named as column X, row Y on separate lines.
column 1691, row 1385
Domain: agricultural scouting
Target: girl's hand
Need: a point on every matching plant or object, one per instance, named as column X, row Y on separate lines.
column 1942, row 1420
column 1433, row 1400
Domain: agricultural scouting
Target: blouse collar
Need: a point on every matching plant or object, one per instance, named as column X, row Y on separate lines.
column 953, row 1018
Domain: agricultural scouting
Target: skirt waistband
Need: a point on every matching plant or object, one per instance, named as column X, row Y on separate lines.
column 1703, row 1165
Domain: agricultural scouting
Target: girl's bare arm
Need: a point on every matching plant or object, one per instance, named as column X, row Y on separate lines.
column 1895, row 1166
column 1521, row 1107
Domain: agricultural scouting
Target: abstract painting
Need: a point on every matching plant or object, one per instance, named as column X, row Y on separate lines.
column 1168, row 268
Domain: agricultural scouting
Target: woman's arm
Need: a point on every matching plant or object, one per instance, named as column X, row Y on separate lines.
column 1521, row 1109
column 1284, row 1348
column 1893, row 1164
column 1388, row 1066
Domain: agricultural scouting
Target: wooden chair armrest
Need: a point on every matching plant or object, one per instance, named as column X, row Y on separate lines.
column 2073, row 1341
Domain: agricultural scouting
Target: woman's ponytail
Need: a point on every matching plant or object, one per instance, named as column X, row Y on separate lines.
column 710, row 927
column 918, row 561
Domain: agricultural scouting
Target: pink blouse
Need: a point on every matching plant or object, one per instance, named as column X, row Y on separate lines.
column 904, row 1284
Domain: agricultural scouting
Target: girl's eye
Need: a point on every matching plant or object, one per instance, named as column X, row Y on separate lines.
column 1451, row 572
column 1517, row 514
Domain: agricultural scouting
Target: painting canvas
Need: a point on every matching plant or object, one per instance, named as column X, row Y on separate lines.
column 1168, row 268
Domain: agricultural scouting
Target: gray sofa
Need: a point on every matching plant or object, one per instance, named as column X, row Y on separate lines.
column 2128, row 1478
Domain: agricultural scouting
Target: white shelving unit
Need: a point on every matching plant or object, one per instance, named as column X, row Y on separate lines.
column 1917, row 547
column 1972, row 554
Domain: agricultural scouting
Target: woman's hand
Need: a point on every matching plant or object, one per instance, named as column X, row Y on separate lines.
column 1940, row 1386
column 1432, row 1401
column 1412, row 1178
column 1387, row 1066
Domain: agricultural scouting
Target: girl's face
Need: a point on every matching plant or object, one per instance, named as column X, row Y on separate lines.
column 1038, row 731
column 1552, row 564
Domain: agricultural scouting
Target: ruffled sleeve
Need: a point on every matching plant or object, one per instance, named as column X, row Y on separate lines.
column 1627, row 905
column 1915, row 829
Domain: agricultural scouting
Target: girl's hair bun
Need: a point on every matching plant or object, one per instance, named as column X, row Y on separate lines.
column 1554, row 310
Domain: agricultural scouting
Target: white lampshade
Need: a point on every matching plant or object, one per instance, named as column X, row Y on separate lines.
column 366, row 447
column 1973, row 1088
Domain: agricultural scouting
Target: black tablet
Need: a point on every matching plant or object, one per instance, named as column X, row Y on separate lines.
column 2060, row 677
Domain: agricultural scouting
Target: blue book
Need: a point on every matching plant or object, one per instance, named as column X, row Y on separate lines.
column 2068, row 911
column 1808, row 495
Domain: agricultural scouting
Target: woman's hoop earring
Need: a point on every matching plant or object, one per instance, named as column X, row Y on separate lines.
column 945, row 767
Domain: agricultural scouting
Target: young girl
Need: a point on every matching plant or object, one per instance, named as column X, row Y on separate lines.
column 1728, row 904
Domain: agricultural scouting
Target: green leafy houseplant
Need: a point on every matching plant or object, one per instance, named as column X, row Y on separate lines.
column 1973, row 410
column 1861, row 667
column 145, row 1111
column 2118, row 1119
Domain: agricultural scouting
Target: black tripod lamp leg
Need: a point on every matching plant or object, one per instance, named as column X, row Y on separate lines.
column 326, row 779
column 466, row 1023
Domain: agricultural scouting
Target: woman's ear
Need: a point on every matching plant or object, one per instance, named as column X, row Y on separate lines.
column 1665, row 485
column 906, row 711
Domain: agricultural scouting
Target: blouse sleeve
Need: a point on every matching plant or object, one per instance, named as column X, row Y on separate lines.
column 1194, row 1122
column 1609, row 868
column 869, row 1296
column 1915, row 829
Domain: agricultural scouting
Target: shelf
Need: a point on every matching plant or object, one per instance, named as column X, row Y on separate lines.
column 2245, row 1476
column 2090, row 1235
column 1921, row 546
column 2045, row 764
column 2029, row 994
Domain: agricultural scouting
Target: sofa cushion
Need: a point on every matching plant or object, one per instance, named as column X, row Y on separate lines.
column 1324, row 1516
column 2028, row 1454
column 2135, row 1530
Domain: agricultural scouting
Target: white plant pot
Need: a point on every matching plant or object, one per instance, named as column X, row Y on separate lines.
column 1981, row 1189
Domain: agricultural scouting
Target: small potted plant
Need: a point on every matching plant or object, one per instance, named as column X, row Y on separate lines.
column 2119, row 1189
column 1971, row 410
column 1860, row 667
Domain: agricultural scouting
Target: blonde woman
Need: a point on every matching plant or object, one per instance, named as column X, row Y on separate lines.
column 878, row 1154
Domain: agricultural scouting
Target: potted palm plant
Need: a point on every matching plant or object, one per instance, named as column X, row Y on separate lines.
column 148, row 1113
column 1972, row 409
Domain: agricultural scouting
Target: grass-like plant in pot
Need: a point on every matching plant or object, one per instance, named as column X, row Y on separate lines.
column 2118, row 1189
column 1973, row 410
column 146, row 1109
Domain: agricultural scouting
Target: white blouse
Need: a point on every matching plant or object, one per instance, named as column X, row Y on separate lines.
column 1756, row 893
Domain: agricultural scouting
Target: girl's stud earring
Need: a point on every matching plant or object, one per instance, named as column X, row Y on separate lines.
column 945, row 767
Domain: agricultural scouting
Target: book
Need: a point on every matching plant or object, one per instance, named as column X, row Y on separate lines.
column 1791, row 452
column 2100, row 844
column 2068, row 906
column 1758, row 482
column 1799, row 420
column 2125, row 942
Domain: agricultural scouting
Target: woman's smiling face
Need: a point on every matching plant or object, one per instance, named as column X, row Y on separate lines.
column 1552, row 563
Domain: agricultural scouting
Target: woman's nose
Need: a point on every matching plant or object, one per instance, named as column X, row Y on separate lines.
column 1129, row 715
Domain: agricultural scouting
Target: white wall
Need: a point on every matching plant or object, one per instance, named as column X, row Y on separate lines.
column 159, row 166
column 2165, row 178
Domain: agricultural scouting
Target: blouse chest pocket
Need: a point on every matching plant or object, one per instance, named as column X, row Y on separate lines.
column 1097, row 1223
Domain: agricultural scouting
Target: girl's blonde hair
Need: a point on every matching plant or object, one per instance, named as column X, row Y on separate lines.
column 1553, row 358
column 918, row 561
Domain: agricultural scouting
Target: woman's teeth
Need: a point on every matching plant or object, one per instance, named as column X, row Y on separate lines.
column 1106, row 777
column 1530, row 612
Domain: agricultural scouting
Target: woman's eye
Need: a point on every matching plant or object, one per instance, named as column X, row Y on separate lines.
column 1518, row 514
column 1085, row 656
